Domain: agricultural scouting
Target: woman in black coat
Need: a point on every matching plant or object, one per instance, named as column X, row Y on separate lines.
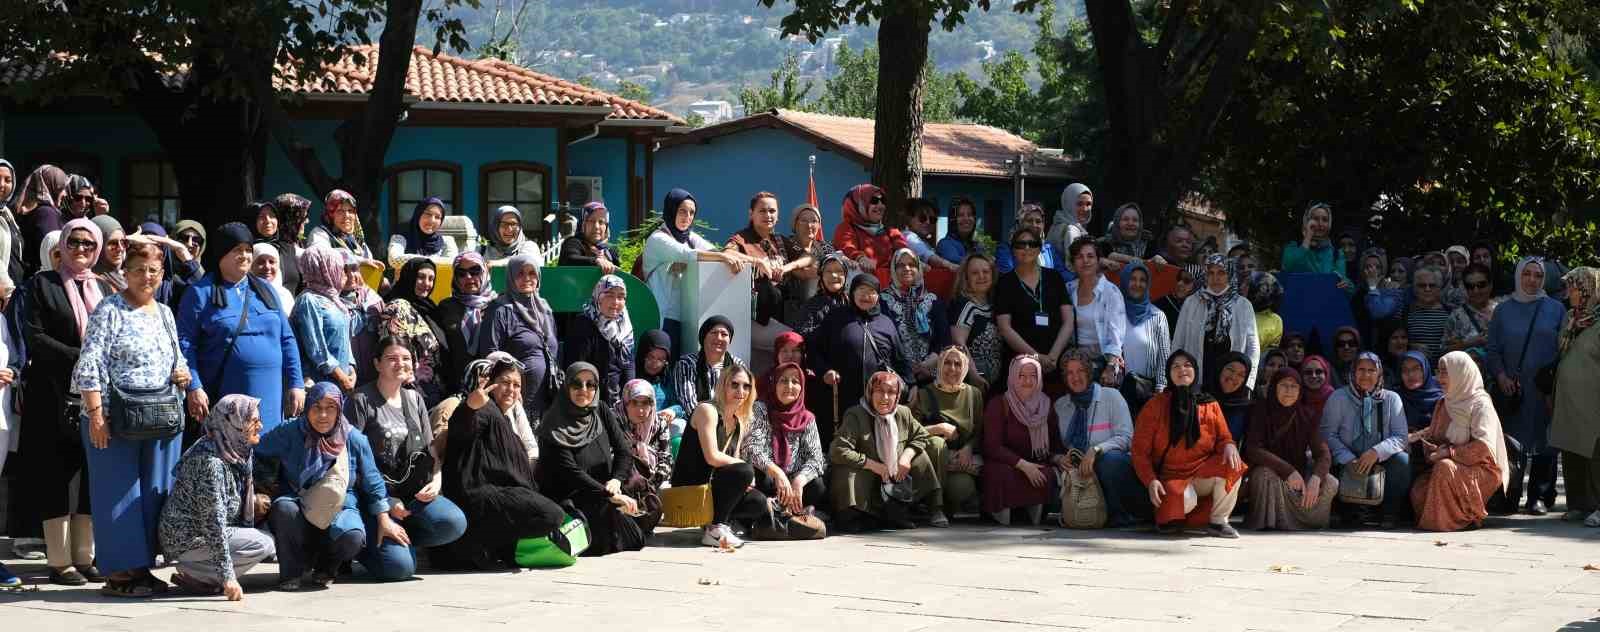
column 602, row 335
column 589, row 246
column 585, row 461
column 460, row 316
column 854, row 342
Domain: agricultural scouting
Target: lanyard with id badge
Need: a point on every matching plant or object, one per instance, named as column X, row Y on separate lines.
column 1040, row 317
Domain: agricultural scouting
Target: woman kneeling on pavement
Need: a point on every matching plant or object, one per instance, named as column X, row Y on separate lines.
column 952, row 411
column 710, row 453
column 1020, row 452
column 1286, row 490
column 1365, row 426
column 880, row 462
column 1094, row 420
column 1185, row 456
column 1466, row 451
column 582, row 444
column 784, row 446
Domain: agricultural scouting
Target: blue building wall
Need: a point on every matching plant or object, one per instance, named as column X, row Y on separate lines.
column 723, row 174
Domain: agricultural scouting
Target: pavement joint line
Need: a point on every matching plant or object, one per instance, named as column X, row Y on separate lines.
column 1429, row 567
column 260, row 614
column 860, row 598
column 47, row 608
column 1392, row 581
column 648, row 560
column 1058, row 626
column 1014, row 590
column 1104, row 587
column 890, row 563
column 1384, row 617
column 1442, row 592
column 617, row 587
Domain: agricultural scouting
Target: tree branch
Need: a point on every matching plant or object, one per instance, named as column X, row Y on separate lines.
column 1176, row 24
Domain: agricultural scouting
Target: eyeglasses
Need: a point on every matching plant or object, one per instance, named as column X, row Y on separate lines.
column 1026, row 244
column 1477, row 286
column 583, row 385
column 145, row 270
column 1316, row 372
column 876, row 199
column 471, row 272
column 83, row 198
column 81, row 244
column 1345, row 344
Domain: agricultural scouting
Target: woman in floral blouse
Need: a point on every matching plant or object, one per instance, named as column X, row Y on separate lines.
column 649, row 431
column 783, row 445
column 208, row 524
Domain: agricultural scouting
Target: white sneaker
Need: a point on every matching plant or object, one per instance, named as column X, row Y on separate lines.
column 720, row 536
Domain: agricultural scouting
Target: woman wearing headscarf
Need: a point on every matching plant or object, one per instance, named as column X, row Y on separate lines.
column 267, row 266
column 341, row 222
column 409, row 314
column 1379, row 301
column 1288, row 491
column 862, row 237
column 962, row 238
column 520, row 323
column 234, row 337
column 506, row 238
column 831, row 276
column 1265, row 295
column 694, row 377
column 1095, row 422
column 208, row 524
column 880, row 465
column 268, row 223
column 1145, row 343
column 591, row 247
column 1316, row 380
column 39, row 199
column 1573, row 427
column 1315, row 253
column 1346, row 346
column 1365, row 427
column 971, row 316
column 581, row 445
column 461, row 316
column 919, row 316
column 322, row 323
column 1466, row 452
column 423, row 236
column 1216, row 320
column 293, row 212
column 81, row 198
column 652, row 363
column 11, row 244
column 1271, row 362
column 802, row 282
column 394, row 420
column 192, row 235
column 1020, row 451
column 1185, row 457
column 712, row 453
column 1418, row 391
column 108, row 268
column 784, row 447
column 489, row 470
column 1171, row 305
column 649, row 434
column 1231, row 393
column 667, row 255
column 51, row 448
column 1126, row 239
column 855, row 342
column 951, row 410
column 329, row 490
column 602, row 335
column 1072, row 219
column 131, row 345
column 1030, row 216
column 1525, row 337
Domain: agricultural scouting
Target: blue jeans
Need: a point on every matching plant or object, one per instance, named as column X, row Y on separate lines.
column 1120, row 485
column 301, row 544
column 435, row 523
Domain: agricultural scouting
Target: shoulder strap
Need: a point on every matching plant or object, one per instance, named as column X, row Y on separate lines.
column 233, row 338
column 1528, row 336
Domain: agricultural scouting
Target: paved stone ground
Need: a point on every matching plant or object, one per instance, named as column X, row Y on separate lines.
column 1517, row 573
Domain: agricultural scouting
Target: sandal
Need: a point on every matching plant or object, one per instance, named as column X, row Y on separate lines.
column 128, row 588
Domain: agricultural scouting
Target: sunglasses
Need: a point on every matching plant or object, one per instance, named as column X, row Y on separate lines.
column 191, row 239
column 584, row 385
column 1345, row 344
column 470, row 272
column 80, row 244
column 876, row 199
column 1477, row 286
column 739, row 386
column 1316, row 372
column 82, row 198
column 1026, row 244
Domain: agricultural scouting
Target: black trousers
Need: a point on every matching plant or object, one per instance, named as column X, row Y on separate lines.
column 1541, row 483
column 732, row 498
column 814, row 494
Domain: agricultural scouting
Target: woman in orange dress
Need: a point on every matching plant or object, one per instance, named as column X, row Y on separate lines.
column 1466, row 451
column 1185, row 456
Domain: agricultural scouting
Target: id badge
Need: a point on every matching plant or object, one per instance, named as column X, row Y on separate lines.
column 1041, row 320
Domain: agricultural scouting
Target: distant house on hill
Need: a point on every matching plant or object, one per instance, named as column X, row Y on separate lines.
column 724, row 165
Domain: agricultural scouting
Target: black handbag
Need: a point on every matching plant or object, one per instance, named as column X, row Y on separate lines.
column 144, row 414
column 1507, row 403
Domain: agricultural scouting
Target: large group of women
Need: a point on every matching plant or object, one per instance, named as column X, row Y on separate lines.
column 896, row 378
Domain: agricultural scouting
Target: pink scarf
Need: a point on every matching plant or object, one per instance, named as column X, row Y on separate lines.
column 83, row 290
column 1029, row 406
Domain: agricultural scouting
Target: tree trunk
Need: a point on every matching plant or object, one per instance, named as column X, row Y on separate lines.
column 897, row 135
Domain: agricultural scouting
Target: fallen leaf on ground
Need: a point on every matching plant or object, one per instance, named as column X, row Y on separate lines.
column 1282, row 568
column 1440, row 543
column 707, row 581
column 1591, row 567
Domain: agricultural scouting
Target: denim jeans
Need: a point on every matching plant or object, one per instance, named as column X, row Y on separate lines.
column 301, row 544
column 434, row 523
column 1126, row 500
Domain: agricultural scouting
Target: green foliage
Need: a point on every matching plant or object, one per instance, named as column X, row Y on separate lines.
column 693, row 119
column 783, row 90
column 853, row 89
column 815, row 18
column 632, row 91
column 630, row 244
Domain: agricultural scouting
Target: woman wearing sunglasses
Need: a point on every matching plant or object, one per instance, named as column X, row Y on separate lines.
column 1031, row 307
column 586, row 458
column 712, row 452
column 863, row 237
column 460, row 316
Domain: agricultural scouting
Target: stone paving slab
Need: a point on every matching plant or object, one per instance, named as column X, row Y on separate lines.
column 1517, row 573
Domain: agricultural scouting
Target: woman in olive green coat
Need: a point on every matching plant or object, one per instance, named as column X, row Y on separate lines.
column 1574, row 428
column 951, row 410
column 861, row 477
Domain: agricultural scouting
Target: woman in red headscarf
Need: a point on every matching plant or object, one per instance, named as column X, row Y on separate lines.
column 862, row 235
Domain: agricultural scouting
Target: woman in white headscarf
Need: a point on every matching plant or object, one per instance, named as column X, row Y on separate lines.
column 266, row 266
column 1072, row 221
column 1465, row 448
column 1524, row 337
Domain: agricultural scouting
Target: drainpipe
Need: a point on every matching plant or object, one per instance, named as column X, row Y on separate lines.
column 592, row 133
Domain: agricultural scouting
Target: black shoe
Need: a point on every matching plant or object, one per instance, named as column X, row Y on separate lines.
column 1223, row 530
column 67, row 576
column 1537, row 508
column 91, row 573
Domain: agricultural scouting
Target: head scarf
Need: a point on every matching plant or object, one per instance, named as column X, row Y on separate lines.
column 472, row 316
column 1138, row 310
column 786, row 419
column 854, row 209
column 405, row 285
column 252, row 212
column 1029, row 406
column 844, row 262
column 1516, row 281
column 533, row 309
column 1472, row 414
column 1218, row 306
column 640, row 432
column 816, row 232
column 650, row 341
column 426, row 244
column 321, row 449
column 328, row 202
column 1078, row 427
column 1265, row 291
column 1419, row 402
column 265, row 249
column 1305, row 220
column 295, row 211
column 1371, row 427
column 1460, row 250
column 1068, row 215
column 1407, row 264
column 1239, row 398
column 591, row 208
column 966, row 364
column 47, row 246
column 493, row 248
column 189, row 224
column 1281, row 421
column 483, row 367
column 619, row 330
column 669, row 215
column 1183, row 405
column 568, row 424
column 885, row 431
column 322, row 273
column 1381, row 255
column 227, row 435
column 1313, row 400
column 914, row 302
column 109, row 273
column 1359, row 346
column 76, row 183
column 1579, row 318
column 46, row 186
column 152, row 228
column 83, row 292
column 5, row 202
column 1135, row 247
column 867, row 280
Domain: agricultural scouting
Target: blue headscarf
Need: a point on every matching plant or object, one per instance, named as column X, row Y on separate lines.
column 669, row 212
column 1419, row 403
column 1138, row 310
column 418, row 243
column 323, row 449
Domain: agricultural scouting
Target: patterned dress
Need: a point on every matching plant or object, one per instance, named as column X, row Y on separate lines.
column 116, row 352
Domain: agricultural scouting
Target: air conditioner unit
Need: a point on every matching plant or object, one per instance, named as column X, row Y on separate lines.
column 582, row 190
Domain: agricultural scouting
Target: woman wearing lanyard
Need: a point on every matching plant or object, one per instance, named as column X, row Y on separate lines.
column 1031, row 307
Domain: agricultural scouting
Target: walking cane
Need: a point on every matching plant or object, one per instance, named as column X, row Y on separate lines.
column 836, row 405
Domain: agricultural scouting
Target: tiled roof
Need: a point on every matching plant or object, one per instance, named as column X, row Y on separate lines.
column 439, row 78
column 958, row 149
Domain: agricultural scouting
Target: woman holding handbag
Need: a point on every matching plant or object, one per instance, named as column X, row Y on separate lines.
column 395, row 422
column 1094, row 421
column 711, row 452
column 131, row 347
